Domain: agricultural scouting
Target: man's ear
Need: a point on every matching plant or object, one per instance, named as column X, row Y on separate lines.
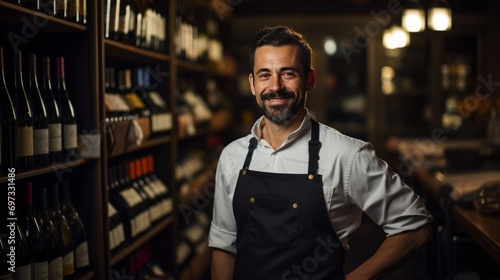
column 250, row 81
column 311, row 80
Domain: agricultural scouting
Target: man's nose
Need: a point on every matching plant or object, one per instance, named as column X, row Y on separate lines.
column 276, row 83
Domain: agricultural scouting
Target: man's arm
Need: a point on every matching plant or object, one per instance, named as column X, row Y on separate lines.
column 393, row 252
column 222, row 265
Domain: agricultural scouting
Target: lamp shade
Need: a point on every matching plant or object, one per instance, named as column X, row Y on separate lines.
column 413, row 19
column 395, row 37
column 439, row 16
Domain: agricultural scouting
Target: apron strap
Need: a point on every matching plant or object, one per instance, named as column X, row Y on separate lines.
column 251, row 148
column 314, row 147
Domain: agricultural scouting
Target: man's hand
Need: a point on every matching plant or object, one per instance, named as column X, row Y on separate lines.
column 392, row 253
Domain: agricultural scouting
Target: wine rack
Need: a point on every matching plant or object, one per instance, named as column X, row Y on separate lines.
column 88, row 51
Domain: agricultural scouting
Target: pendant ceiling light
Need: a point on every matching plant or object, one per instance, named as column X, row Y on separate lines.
column 395, row 37
column 439, row 17
column 413, row 17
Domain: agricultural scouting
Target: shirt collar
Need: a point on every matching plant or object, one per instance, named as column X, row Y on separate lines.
column 304, row 126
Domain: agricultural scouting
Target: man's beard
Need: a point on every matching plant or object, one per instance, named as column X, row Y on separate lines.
column 279, row 113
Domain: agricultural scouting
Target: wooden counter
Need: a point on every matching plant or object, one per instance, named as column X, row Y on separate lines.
column 483, row 229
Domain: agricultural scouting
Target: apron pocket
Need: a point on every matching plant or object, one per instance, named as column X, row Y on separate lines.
column 273, row 222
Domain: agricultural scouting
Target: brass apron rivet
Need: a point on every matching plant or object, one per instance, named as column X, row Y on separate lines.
column 252, row 200
column 311, row 176
column 295, row 205
column 244, row 172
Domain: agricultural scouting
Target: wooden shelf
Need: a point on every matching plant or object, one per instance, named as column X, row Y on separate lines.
column 150, row 143
column 45, row 170
column 131, row 53
column 88, row 276
column 143, row 239
column 16, row 15
column 191, row 66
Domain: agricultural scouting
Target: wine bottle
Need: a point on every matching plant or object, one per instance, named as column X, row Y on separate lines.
column 129, row 204
column 138, row 184
column 9, row 152
column 127, row 181
column 116, row 210
column 116, row 231
column 159, row 186
column 68, row 118
column 134, row 101
column 40, row 121
column 77, row 231
column 164, row 117
column 34, row 237
column 74, row 11
column 64, row 232
column 23, row 270
column 117, row 108
column 52, row 237
column 25, row 117
column 49, row 7
column 62, row 8
column 5, row 273
column 53, row 114
column 34, row 4
column 83, row 11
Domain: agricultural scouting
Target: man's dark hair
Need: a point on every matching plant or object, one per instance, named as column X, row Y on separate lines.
column 280, row 36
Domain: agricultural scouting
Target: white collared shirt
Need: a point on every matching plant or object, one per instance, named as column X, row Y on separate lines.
column 354, row 181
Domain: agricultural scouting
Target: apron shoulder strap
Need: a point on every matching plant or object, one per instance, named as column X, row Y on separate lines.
column 251, row 148
column 314, row 147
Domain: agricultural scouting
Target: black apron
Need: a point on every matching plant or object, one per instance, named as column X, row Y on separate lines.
column 283, row 229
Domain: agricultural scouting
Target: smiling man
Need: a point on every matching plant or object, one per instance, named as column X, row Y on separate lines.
column 288, row 195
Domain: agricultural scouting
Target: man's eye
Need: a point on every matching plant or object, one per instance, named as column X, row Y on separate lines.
column 289, row 74
column 264, row 75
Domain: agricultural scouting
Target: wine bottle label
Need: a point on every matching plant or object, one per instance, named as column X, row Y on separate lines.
column 157, row 99
column 26, row 141
column 112, row 239
column 134, row 100
column 114, row 102
column 131, row 197
column 82, row 255
column 164, row 122
column 41, row 141
column 69, row 264
column 154, row 123
column 41, row 270
column 121, row 233
column 55, row 139
column 56, row 269
column 70, row 134
column 22, row 272
column 168, row 205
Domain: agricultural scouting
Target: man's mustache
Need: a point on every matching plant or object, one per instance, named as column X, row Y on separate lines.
column 279, row 94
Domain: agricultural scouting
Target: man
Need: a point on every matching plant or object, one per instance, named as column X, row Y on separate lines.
column 288, row 195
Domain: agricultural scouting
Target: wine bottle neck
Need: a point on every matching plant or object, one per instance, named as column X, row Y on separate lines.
column 18, row 69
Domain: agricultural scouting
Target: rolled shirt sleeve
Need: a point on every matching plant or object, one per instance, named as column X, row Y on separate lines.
column 382, row 195
column 223, row 227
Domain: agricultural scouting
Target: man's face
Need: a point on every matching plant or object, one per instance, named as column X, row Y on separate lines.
column 278, row 82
